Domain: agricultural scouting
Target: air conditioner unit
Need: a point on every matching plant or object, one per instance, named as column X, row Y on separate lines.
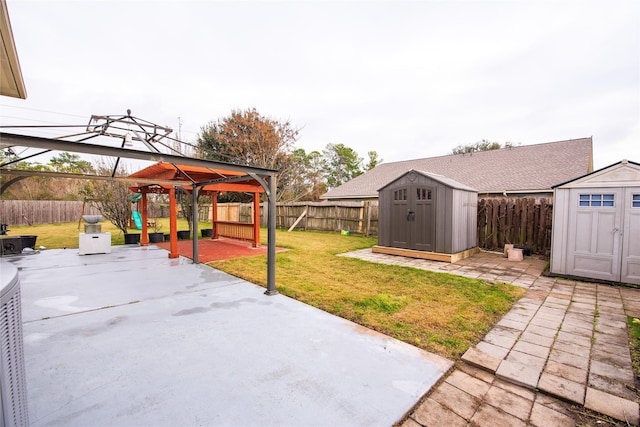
column 13, row 388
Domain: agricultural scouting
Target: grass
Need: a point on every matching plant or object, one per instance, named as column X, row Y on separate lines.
column 439, row 312
column 634, row 342
column 65, row 235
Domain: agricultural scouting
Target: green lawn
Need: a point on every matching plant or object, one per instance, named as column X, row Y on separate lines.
column 439, row 312
column 57, row 236
column 442, row 313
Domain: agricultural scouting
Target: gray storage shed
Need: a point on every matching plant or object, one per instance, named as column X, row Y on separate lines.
column 426, row 215
column 596, row 225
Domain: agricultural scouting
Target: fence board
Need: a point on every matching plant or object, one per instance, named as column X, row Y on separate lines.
column 525, row 222
column 31, row 212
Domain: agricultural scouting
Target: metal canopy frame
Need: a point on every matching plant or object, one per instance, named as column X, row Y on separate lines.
column 149, row 134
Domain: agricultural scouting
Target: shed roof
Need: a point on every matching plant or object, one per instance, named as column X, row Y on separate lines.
column 438, row 178
column 624, row 173
column 527, row 168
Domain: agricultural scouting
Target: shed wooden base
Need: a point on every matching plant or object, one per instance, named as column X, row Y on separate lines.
column 435, row 256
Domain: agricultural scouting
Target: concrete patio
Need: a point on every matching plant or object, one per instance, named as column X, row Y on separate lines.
column 135, row 338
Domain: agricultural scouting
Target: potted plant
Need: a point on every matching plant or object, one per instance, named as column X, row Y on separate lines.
column 156, row 236
column 131, row 238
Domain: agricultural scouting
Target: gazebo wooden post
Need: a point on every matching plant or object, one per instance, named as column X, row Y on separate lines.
column 256, row 220
column 173, row 224
column 214, row 214
column 144, row 240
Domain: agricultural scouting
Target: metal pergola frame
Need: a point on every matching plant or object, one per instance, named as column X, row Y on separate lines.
column 266, row 177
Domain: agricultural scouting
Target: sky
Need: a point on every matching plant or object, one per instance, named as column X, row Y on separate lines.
column 407, row 79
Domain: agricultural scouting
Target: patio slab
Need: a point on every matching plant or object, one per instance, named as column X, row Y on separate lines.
column 135, row 338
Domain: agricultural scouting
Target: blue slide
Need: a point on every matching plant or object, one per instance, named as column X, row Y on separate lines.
column 137, row 219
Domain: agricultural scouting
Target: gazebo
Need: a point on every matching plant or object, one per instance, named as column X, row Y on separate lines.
column 206, row 181
column 173, row 171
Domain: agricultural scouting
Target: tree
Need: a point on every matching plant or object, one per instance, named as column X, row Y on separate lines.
column 373, row 160
column 47, row 188
column 316, row 168
column 68, row 189
column 248, row 138
column 185, row 199
column 70, row 163
column 483, row 145
column 112, row 198
column 343, row 164
column 307, row 176
column 32, row 187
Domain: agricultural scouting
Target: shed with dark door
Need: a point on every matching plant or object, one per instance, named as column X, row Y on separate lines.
column 596, row 225
column 425, row 215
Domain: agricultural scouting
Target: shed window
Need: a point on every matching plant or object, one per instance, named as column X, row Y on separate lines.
column 635, row 202
column 400, row 194
column 423, row 194
column 604, row 200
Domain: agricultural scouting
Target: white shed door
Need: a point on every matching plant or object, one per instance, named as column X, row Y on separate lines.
column 594, row 236
column 604, row 239
column 630, row 272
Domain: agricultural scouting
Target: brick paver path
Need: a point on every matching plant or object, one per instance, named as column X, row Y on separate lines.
column 564, row 341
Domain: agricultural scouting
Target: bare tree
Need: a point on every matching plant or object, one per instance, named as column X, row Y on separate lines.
column 112, row 198
column 248, row 138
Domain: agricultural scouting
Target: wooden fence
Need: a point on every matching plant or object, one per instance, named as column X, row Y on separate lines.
column 356, row 217
column 524, row 222
column 30, row 212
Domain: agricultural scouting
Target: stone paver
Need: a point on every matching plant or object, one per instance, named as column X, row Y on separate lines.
column 510, row 403
column 562, row 387
column 468, row 383
column 613, row 406
column 456, row 400
column 480, row 358
column 487, row 415
column 564, row 341
column 543, row 416
column 568, row 372
column 431, row 413
column 519, row 373
column 536, row 350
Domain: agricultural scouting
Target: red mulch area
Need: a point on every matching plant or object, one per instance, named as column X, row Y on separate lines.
column 216, row 250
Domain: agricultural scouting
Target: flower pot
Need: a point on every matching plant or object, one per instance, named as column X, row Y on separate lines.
column 156, row 237
column 206, row 232
column 28, row 241
column 184, row 235
column 131, row 239
column 167, row 237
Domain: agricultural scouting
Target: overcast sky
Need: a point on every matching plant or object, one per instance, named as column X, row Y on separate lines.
column 406, row 79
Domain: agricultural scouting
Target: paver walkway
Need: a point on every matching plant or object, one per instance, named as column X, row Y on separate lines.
column 564, row 341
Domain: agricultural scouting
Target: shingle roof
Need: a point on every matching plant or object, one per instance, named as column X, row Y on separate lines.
column 527, row 168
